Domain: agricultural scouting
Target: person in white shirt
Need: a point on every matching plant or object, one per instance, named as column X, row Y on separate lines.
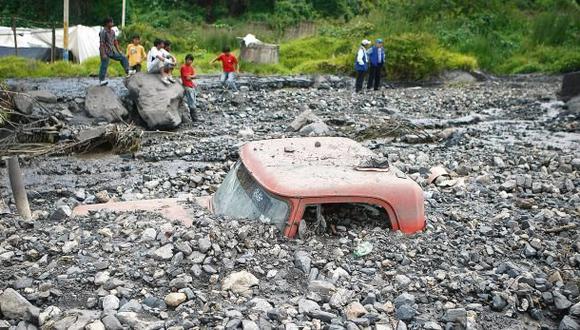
column 361, row 64
column 160, row 61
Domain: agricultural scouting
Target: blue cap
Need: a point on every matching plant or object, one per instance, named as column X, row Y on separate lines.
column 380, row 41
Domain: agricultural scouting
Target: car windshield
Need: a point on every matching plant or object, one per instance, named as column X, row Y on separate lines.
column 240, row 196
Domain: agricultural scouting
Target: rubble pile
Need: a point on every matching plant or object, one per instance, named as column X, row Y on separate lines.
column 501, row 248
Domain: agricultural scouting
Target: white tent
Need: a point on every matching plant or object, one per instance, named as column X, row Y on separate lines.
column 83, row 40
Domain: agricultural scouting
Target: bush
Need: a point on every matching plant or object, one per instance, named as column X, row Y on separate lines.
column 19, row 67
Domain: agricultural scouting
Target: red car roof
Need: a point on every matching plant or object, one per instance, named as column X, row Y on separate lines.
column 323, row 167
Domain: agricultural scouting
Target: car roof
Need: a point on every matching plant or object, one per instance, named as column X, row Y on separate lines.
column 320, row 167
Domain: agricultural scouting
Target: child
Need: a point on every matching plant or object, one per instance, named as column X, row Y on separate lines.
column 109, row 49
column 187, row 76
column 135, row 54
column 230, row 65
column 158, row 63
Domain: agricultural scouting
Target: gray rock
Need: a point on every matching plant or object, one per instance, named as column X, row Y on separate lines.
column 560, row 301
column 249, row 325
column 76, row 319
column 569, row 323
column 131, row 306
column 203, row 245
column 240, row 282
column 457, row 315
column 303, row 119
column 322, row 315
column 458, row 77
column 306, row 306
column 24, row 103
column 404, row 299
column 95, row 325
column 323, row 288
column 575, row 310
column 15, row 307
column 62, row 212
column 102, row 103
column 158, row 105
column 498, row 303
column 110, row 302
column 140, row 321
column 302, row 261
column 405, row 312
column 43, row 96
column 163, row 253
column 315, row 129
column 111, row 322
column 570, row 85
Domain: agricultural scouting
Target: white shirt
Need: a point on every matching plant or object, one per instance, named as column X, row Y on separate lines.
column 152, row 56
column 362, row 56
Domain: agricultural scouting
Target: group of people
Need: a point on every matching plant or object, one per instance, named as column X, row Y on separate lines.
column 160, row 61
column 369, row 60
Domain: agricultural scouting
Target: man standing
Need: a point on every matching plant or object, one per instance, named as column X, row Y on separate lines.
column 109, row 49
column 230, row 67
column 361, row 64
column 377, row 61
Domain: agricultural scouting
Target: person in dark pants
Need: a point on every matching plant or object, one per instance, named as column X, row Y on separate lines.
column 109, row 49
column 361, row 64
column 377, row 61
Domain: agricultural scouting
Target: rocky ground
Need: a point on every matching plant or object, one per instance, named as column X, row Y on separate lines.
column 501, row 249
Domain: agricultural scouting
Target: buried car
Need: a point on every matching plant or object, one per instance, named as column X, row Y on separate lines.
column 287, row 182
column 278, row 181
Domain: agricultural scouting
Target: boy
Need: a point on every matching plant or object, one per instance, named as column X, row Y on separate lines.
column 135, row 54
column 230, row 66
column 377, row 61
column 109, row 49
column 187, row 76
column 157, row 63
column 361, row 64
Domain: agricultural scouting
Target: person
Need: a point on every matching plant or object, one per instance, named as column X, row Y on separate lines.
column 361, row 64
column 135, row 54
column 109, row 49
column 166, row 52
column 377, row 61
column 187, row 77
column 158, row 63
column 230, row 67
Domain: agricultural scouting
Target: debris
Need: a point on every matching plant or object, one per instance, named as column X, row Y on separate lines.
column 363, row 249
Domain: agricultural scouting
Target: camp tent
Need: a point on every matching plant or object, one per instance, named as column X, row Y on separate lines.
column 36, row 43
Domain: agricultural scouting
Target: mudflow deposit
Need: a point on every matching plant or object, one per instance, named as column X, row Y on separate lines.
column 501, row 249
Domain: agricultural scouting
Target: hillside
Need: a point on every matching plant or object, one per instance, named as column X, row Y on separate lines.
column 422, row 37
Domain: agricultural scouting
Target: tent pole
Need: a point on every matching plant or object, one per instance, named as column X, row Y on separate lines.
column 15, row 38
column 123, row 14
column 65, row 31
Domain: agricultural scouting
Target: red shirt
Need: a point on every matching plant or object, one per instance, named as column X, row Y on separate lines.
column 186, row 71
column 228, row 62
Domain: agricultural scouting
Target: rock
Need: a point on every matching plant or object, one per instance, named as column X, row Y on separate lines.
column 322, row 315
column 157, row 104
column 131, row 306
column 240, row 282
column 575, row 310
column 95, row 325
column 102, row 196
column 61, row 213
column 303, row 119
column 149, row 234
column 402, row 281
column 405, row 299
column 405, row 312
column 570, row 85
column 76, row 319
column 323, row 288
column 457, row 315
column 249, row 325
column 102, row 103
column 175, row 299
column 498, row 303
column 457, row 77
column 163, row 253
column 354, row 310
column 561, row 302
column 110, row 302
column 302, row 261
column 139, row 321
column 43, row 96
column 306, row 306
column 432, row 326
column 315, row 129
column 260, row 304
column 569, row 323
column 4, row 325
column 204, row 245
column 70, row 246
column 15, row 307
column 573, row 106
column 50, row 313
column 101, row 278
column 111, row 322
column 24, row 103
column 21, row 283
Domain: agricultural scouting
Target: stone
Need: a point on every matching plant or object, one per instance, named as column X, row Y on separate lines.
column 573, row 106
column 76, row 319
column 402, row 280
column 303, row 119
column 24, row 103
column 322, row 315
column 157, row 104
column 457, row 315
column 302, row 261
column 102, row 196
column 315, row 129
column 560, row 301
column 111, row 322
column 204, row 245
column 498, row 303
column 139, row 321
column 131, row 306
column 305, row 306
column 62, row 212
column 110, row 302
column 149, row 234
column 570, row 85
column 15, row 307
column 323, row 288
column 163, row 253
column 70, row 246
column 569, row 323
column 431, row 325
column 240, row 282
column 575, row 310
column 405, row 312
column 404, row 299
column 43, row 96
column 101, row 102
column 457, row 77
column 175, row 299
column 95, row 325
column 260, row 304
column 249, row 325
column 354, row 310
column 49, row 313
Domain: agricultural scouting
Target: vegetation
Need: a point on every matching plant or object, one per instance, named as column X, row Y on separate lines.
column 422, row 37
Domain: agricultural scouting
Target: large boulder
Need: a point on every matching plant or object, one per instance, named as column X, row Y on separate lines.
column 570, row 85
column 102, row 102
column 43, row 96
column 14, row 306
column 159, row 105
column 24, row 103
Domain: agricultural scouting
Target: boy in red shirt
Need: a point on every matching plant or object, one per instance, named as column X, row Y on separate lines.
column 187, row 77
column 230, row 66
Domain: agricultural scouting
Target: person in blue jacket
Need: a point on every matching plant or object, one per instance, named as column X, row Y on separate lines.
column 377, row 61
column 361, row 64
